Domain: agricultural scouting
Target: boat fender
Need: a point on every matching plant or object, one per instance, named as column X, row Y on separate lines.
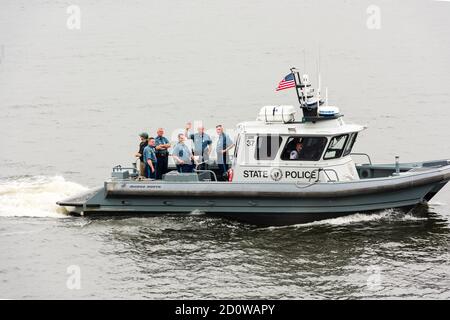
column 230, row 175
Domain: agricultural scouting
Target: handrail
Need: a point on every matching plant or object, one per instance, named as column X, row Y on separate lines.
column 210, row 171
column 362, row 154
column 119, row 168
column 202, row 170
column 318, row 174
column 324, row 170
column 332, row 170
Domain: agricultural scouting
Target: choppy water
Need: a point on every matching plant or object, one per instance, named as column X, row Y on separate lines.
column 72, row 102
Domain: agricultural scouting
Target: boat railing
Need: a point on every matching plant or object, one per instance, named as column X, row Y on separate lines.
column 302, row 185
column 125, row 172
column 361, row 154
column 212, row 173
column 119, row 168
column 325, row 171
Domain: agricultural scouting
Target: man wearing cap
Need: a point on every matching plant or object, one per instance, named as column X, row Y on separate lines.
column 140, row 154
column 150, row 159
column 162, row 145
column 202, row 144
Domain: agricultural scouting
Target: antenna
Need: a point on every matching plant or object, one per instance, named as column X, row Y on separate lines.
column 319, row 87
column 304, row 60
column 326, row 96
column 319, row 91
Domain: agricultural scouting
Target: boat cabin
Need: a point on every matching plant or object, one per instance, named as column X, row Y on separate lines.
column 278, row 148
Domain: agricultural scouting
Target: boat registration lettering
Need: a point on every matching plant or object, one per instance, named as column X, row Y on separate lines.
column 142, row 186
column 301, row 174
column 256, row 174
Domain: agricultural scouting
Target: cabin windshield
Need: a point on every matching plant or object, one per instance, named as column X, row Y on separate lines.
column 304, row 148
column 351, row 142
column 336, row 147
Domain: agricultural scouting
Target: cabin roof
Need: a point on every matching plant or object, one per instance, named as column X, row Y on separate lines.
column 323, row 128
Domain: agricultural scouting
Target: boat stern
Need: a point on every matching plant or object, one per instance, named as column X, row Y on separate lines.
column 78, row 203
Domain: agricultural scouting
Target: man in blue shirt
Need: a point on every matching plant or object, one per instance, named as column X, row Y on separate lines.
column 182, row 155
column 150, row 159
column 202, row 145
column 224, row 144
column 162, row 154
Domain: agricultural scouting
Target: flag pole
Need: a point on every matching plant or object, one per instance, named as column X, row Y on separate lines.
column 298, row 84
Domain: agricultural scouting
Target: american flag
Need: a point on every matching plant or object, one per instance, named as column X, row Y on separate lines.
column 287, row 82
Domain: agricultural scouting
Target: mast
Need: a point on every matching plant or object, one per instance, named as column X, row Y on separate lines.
column 298, row 85
column 303, row 93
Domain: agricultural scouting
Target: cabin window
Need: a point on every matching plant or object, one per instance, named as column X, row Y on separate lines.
column 267, row 147
column 304, row 148
column 351, row 142
column 336, row 147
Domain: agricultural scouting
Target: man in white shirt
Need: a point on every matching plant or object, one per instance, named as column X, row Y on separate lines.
column 182, row 155
column 295, row 154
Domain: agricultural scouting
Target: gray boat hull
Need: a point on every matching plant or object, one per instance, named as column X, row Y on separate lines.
column 263, row 203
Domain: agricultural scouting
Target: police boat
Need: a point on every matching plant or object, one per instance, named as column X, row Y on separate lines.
column 283, row 171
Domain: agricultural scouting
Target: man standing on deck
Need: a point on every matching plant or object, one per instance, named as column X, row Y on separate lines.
column 202, row 145
column 224, row 144
column 162, row 154
column 182, row 155
column 140, row 154
column 150, row 159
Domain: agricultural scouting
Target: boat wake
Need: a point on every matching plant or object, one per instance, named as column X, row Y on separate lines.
column 385, row 215
column 35, row 196
column 437, row 204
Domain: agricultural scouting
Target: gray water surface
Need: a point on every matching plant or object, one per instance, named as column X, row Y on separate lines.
column 73, row 101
